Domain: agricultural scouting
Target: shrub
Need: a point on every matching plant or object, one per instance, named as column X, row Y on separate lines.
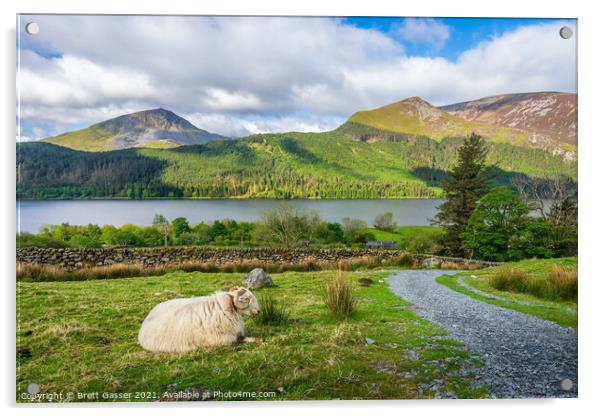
column 84, row 241
column 40, row 240
column 271, row 312
column 422, row 243
column 338, row 295
column 384, row 222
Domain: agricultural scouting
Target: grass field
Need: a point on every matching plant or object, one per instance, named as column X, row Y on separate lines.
column 82, row 337
column 562, row 312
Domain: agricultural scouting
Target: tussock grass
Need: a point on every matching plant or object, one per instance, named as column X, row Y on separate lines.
column 339, row 295
column 271, row 311
column 32, row 272
column 558, row 284
column 563, row 284
column 509, row 279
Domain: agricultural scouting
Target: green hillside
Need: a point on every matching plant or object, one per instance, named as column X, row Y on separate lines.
column 94, row 139
column 416, row 117
column 289, row 165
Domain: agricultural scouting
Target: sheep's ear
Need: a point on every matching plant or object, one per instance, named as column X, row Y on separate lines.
column 233, row 289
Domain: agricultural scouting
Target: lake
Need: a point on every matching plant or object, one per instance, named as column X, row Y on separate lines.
column 33, row 214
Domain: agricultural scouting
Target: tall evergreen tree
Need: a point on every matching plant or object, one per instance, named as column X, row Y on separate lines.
column 467, row 182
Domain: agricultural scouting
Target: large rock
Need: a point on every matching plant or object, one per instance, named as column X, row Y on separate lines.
column 257, row 278
column 431, row 262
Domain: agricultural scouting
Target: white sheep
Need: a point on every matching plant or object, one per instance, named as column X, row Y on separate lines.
column 182, row 325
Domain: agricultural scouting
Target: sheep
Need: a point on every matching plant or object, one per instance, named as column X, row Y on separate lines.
column 182, row 325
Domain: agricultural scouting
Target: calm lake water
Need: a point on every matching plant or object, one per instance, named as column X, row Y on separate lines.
column 33, row 214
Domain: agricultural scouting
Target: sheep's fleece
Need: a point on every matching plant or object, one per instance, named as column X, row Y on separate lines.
column 181, row 325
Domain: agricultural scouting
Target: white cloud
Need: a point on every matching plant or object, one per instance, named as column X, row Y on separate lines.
column 23, row 139
column 238, row 126
column 238, row 75
column 78, row 81
column 222, row 100
column 423, row 31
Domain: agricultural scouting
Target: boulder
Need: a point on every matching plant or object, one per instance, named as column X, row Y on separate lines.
column 431, row 262
column 257, row 278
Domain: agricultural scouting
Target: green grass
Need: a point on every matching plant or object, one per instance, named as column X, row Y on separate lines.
column 562, row 312
column 91, row 139
column 82, row 338
column 405, row 232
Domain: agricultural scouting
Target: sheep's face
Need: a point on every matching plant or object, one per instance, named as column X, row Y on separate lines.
column 244, row 301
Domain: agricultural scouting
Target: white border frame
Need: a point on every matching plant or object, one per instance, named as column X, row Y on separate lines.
column 590, row 142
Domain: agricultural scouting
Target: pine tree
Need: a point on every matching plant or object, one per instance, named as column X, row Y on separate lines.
column 467, row 182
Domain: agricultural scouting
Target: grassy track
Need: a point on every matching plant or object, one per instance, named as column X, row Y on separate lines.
column 81, row 337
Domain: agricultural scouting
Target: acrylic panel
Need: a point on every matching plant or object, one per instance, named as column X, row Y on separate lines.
column 295, row 208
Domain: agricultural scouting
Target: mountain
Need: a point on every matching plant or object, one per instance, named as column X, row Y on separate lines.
column 541, row 120
column 416, row 117
column 549, row 119
column 402, row 150
column 151, row 128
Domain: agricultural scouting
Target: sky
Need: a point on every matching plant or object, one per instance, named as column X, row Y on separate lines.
column 243, row 75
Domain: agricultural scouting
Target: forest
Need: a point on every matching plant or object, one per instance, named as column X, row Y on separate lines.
column 348, row 163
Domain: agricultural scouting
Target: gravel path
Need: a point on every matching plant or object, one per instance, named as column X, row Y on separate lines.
column 524, row 356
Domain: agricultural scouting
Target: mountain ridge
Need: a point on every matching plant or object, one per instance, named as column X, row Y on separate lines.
column 544, row 120
column 415, row 116
column 548, row 118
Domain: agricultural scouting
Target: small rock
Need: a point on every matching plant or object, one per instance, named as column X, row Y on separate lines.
column 365, row 281
column 408, row 374
column 370, row 341
column 383, row 366
column 257, row 278
column 24, row 352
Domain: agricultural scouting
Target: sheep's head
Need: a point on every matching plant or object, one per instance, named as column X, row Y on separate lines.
column 244, row 301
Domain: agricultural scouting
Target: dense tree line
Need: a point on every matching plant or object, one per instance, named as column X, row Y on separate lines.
column 494, row 223
column 295, row 165
column 281, row 226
